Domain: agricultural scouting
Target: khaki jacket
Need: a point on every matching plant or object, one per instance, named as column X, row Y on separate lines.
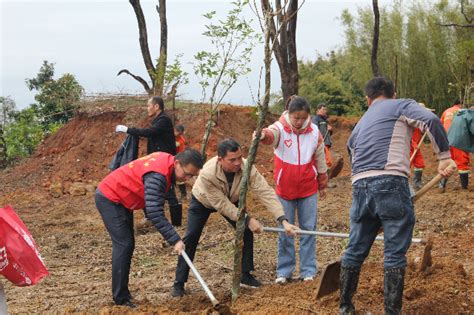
column 211, row 189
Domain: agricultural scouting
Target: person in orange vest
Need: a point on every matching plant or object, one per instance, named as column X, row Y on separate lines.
column 180, row 147
column 459, row 156
column 140, row 184
column 418, row 161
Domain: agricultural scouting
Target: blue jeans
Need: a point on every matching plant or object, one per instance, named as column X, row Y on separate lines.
column 380, row 201
column 307, row 218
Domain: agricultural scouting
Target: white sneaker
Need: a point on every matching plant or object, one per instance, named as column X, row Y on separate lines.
column 308, row 279
column 281, row 280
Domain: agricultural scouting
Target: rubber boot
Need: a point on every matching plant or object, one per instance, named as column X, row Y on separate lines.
column 418, row 179
column 176, row 213
column 442, row 184
column 349, row 277
column 464, row 178
column 393, row 290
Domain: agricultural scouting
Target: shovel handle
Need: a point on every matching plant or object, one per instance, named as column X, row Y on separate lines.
column 331, row 234
column 431, row 183
column 418, row 146
column 203, row 284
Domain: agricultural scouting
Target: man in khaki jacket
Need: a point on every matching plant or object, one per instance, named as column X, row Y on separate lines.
column 217, row 189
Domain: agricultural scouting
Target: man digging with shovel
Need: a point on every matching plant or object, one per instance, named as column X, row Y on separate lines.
column 378, row 149
column 140, row 184
column 217, row 189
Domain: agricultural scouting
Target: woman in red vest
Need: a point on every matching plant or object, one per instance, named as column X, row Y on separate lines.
column 140, row 184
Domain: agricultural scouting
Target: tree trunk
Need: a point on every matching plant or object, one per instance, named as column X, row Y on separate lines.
column 375, row 43
column 207, row 132
column 263, row 110
column 162, row 60
column 284, row 45
column 3, row 149
column 143, row 38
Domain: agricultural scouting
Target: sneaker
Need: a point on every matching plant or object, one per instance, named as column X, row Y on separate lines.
column 178, row 289
column 281, row 280
column 248, row 279
column 308, row 278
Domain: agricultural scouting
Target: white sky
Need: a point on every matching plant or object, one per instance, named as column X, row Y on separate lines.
column 95, row 39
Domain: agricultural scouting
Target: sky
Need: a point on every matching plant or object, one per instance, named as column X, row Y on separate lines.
column 93, row 40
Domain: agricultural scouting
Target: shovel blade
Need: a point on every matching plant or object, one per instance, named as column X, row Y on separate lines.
column 329, row 281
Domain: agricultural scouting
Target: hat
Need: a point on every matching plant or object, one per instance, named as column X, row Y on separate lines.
column 424, row 106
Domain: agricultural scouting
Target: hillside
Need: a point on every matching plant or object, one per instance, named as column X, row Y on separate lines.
column 76, row 247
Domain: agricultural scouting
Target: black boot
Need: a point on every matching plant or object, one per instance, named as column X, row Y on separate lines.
column 418, row 179
column 176, row 213
column 464, row 177
column 393, row 290
column 442, row 184
column 348, row 278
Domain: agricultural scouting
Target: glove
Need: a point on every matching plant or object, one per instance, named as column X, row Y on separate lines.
column 121, row 128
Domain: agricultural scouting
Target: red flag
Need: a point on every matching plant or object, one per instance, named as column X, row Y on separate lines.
column 20, row 260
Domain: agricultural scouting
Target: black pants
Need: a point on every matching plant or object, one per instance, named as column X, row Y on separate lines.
column 197, row 218
column 171, row 196
column 118, row 221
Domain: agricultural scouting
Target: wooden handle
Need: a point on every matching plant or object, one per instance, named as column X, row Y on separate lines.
column 431, row 183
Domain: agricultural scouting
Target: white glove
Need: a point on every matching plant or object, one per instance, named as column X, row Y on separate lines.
column 121, row 128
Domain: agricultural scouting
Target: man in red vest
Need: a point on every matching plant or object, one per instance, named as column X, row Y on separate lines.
column 140, row 184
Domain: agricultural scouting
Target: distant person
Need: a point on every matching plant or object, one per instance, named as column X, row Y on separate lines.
column 140, row 184
column 180, row 146
column 300, row 173
column 160, row 138
column 378, row 148
column 160, row 135
column 418, row 162
column 459, row 156
column 217, row 189
column 334, row 161
column 321, row 120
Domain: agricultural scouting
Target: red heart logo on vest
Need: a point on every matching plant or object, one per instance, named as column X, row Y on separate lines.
column 288, row 143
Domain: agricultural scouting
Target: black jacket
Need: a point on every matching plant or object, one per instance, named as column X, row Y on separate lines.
column 155, row 195
column 160, row 135
column 127, row 152
column 322, row 123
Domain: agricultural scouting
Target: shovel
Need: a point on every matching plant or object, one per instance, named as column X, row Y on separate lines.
column 220, row 308
column 329, row 281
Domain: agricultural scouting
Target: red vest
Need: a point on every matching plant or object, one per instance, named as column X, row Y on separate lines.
column 125, row 184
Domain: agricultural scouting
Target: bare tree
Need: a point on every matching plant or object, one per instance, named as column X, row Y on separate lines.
column 283, row 36
column 156, row 73
column 467, row 16
column 375, row 42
